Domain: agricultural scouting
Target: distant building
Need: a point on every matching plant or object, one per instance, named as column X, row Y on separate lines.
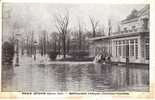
column 131, row 40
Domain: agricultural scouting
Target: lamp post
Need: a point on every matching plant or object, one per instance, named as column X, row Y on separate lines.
column 17, row 49
column 35, row 47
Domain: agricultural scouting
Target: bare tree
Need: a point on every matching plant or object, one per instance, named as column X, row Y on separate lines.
column 27, row 42
column 43, row 42
column 68, row 41
column 101, row 30
column 31, row 42
column 94, row 25
column 80, row 35
column 55, row 40
column 62, row 23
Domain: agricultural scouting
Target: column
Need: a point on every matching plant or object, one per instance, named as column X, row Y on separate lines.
column 139, row 49
column 129, row 51
column 134, row 43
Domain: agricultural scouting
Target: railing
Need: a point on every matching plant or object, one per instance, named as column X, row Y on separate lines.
column 136, row 30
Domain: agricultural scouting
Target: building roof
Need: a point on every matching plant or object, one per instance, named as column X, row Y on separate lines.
column 113, row 36
column 128, row 34
column 119, row 35
column 135, row 15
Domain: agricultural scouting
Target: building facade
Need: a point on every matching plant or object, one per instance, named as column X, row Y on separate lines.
column 132, row 40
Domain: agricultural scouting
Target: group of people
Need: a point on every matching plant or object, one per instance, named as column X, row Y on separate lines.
column 102, row 58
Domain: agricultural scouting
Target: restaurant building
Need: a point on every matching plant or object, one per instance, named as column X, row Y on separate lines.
column 132, row 40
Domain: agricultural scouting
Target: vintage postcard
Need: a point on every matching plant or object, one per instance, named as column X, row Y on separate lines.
column 76, row 50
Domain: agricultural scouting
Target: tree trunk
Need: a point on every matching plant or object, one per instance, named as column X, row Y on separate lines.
column 64, row 46
column 59, row 47
column 94, row 33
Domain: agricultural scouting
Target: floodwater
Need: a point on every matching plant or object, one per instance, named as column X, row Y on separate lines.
column 73, row 77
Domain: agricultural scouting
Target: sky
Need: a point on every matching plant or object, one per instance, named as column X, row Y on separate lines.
column 40, row 16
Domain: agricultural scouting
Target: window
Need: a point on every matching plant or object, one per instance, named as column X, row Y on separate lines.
column 131, row 50
column 147, row 48
column 116, row 47
column 147, row 52
column 124, row 49
column 133, row 27
column 136, row 41
column 131, row 41
column 132, row 47
column 127, row 41
column 125, row 29
column 96, row 50
column 136, row 49
column 119, row 49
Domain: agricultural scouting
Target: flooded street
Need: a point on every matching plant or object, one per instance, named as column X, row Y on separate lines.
column 60, row 76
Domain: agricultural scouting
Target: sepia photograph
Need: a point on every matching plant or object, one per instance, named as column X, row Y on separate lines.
column 63, row 47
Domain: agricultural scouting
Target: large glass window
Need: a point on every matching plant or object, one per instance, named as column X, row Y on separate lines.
column 121, row 50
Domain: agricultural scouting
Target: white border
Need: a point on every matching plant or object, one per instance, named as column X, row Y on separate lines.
column 152, row 36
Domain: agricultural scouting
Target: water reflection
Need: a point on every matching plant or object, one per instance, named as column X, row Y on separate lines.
column 74, row 77
column 60, row 75
column 7, row 77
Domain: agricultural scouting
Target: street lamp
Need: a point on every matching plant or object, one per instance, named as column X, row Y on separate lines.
column 35, row 47
column 17, row 49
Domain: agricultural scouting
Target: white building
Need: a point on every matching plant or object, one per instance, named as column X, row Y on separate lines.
column 132, row 40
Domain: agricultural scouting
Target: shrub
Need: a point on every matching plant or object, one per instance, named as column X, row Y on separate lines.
column 7, row 53
column 52, row 55
column 79, row 54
